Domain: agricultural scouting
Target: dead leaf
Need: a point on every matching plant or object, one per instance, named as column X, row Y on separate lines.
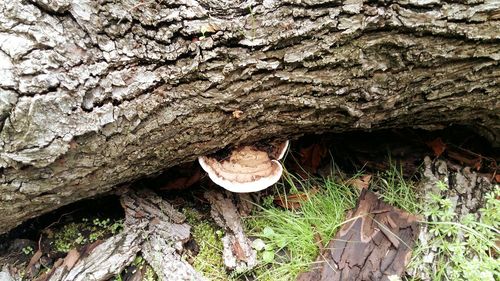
column 362, row 182
column 294, row 201
column 475, row 162
column 438, row 146
column 33, row 261
column 312, row 155
column 497, row 178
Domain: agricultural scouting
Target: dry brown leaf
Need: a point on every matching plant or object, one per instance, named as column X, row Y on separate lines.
column 183, row 182
column 294, row 201
column 475, row 162
column 312, row 155
column 438, row 146
column 34, row 259
column 363, row 182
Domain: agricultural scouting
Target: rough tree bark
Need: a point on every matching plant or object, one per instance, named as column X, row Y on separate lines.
column 97, row 93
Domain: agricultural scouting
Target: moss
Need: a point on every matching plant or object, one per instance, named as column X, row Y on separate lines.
column 193, row 216
column 76, row 234
column 208, row 238
column 150, row 274
column 68, row 237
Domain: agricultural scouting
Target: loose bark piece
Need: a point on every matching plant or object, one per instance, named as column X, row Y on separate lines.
column 166, row 234
column 374, row 244
column 238, row 253
column 152, row 226
column 144, row 206
column 5, row 275
column 104, row 261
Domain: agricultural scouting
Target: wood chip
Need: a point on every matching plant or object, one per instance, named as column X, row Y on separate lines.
column 238, row 253
column 166, row 234
column 105, row 260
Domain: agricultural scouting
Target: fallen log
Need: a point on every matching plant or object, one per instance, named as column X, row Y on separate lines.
column 94, row 95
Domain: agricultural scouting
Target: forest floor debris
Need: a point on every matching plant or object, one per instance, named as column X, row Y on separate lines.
column 278, row 233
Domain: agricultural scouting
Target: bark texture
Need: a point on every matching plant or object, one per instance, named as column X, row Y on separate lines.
column 152, row 227
column 375, row 244
column 238, row 253
column 165, row 235
column 466, row 191
column 98, row 93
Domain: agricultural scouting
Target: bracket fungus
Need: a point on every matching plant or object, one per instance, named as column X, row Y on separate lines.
column 248, row 168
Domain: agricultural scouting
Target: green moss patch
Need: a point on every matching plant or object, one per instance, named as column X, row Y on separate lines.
column 207, row 237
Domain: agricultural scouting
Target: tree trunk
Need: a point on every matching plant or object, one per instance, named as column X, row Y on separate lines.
column 94, row 94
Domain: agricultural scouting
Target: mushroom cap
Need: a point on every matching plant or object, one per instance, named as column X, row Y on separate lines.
column 247, row 170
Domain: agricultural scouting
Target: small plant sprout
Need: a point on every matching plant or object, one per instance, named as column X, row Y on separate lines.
column 28, row 250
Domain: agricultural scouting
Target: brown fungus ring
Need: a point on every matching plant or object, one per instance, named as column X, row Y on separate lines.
column 248, row 169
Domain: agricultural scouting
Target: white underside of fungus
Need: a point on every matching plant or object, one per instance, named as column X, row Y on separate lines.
column 247, row 169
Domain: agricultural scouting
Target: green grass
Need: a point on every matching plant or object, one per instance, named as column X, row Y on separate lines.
column 397, row 191
column 288, row 241
column 290, row 235
column 465, row 249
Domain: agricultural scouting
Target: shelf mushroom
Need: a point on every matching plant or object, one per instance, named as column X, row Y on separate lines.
column 249, row 168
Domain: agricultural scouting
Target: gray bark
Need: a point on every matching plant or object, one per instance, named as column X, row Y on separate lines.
column 152, row 227
column 165, row 235
column 94, row 94
column 238, row 253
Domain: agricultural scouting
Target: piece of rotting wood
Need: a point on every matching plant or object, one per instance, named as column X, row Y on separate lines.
column 152, row 227
column 165, row 236
column 100, row 263
column 375, row 243
column 238, row 253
